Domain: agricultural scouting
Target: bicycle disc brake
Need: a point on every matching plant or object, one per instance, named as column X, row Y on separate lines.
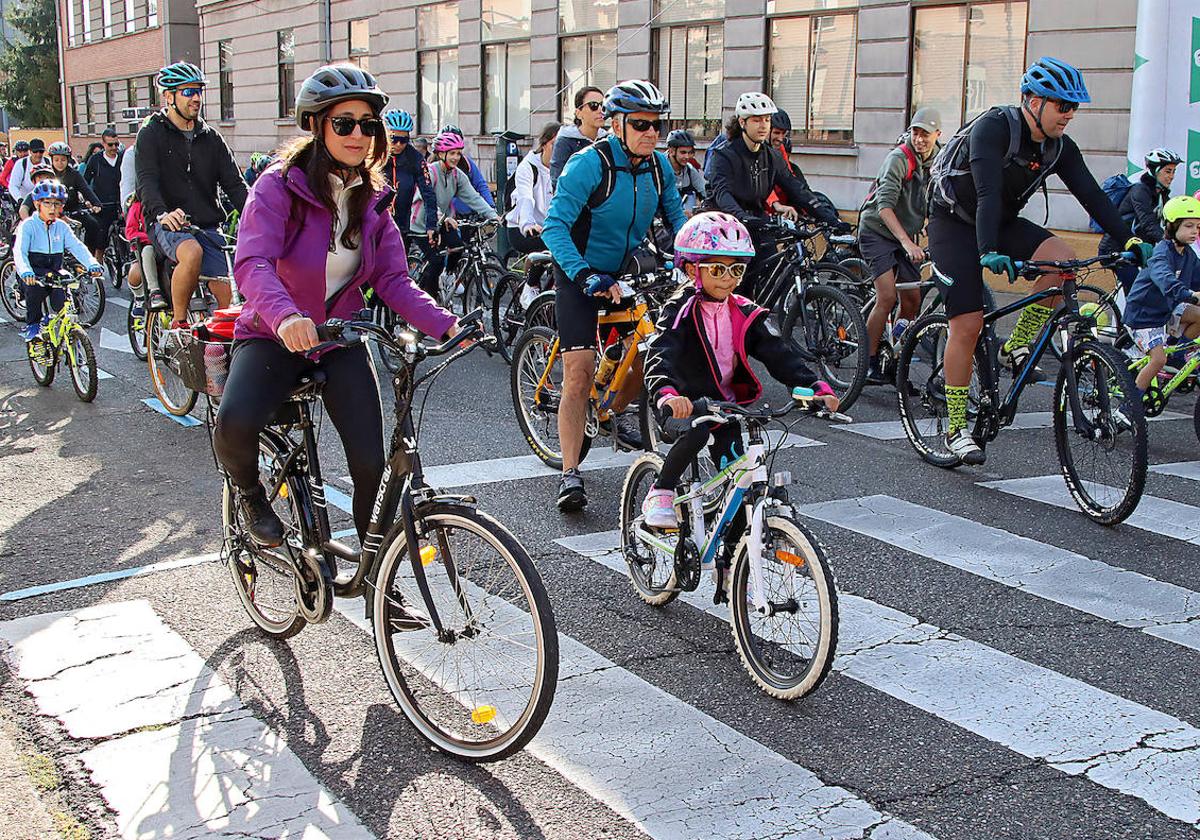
column 687, row 565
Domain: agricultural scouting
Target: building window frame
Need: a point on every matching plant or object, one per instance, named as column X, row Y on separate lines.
column 86, row 10
column 566, row 105
column 106, row 17
column 285, row 72
column 807, row 135
column 505, row 32
column 359, row 55
column 225, row 78
column 441, row 52
column 706, row 127
column 505, row 92
column 130, row 16
column 72, row 34
column 151, row 13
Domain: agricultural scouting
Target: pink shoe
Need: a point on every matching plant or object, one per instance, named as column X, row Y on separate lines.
column 658, row 509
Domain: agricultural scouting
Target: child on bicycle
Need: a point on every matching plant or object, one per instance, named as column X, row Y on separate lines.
column 705, row 336
column 1164, row 297
column 38, row 252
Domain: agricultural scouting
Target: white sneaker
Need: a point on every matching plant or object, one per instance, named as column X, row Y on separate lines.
column 528, row 295
column 964, row 447
column 658, row 509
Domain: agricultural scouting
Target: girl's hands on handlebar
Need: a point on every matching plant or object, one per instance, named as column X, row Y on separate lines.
column 679, row 406
column 298, row 333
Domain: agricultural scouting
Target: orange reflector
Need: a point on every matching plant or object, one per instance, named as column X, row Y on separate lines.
column 789, row 558
column 842, row 333
column 283, row 491
column 483, row 714
column 428, row 553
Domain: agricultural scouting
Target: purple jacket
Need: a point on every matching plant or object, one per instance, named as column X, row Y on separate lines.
column 279, row 266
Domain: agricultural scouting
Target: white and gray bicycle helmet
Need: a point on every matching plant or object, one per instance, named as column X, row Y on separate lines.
column 1156, row 159
column 58, row 148
column 755, row 105
column 335, row 83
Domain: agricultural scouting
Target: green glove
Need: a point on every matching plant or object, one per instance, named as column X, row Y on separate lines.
column 999, row 264
column 1142, row 251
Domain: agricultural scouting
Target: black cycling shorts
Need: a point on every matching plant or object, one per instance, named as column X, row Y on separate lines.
column 954, row 249
column 577, row 313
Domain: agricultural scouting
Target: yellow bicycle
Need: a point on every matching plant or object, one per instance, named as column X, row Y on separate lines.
column 64, row 338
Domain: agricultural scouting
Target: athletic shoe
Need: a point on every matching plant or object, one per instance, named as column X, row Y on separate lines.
column 1016, row 358
column 158, row 303
column 628, row 430
column 658, row 509
column 571, row 495
column 260, row 519
column 30, row 332
column 964, row 447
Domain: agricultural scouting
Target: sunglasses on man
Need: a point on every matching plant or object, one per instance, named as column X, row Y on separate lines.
column 643, row 125
column 1065, row 107
column 396, row 138
column 190, row 92
column 344, row 126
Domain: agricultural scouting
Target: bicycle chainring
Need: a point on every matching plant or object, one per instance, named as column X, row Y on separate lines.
column 687, row 565
column 314, row 588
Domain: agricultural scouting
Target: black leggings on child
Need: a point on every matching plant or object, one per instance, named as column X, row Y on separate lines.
column 726, row 446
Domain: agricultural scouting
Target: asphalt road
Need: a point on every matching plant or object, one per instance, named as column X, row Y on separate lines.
column 1007, row 669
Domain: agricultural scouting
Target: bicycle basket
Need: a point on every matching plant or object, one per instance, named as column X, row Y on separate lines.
column 201, row 365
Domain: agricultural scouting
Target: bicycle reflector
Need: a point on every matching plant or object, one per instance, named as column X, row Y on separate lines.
column 483, row 714
column 789, row 558
column 428, row 553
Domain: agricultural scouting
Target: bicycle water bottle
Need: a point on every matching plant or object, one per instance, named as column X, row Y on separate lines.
column 898, row 330
column 608, row 364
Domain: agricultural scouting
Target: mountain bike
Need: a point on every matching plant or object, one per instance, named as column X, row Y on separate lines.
column 1099, row 426
column 64, row 338
column 508, row 312
column 470, row 287
column 768, row 566
column 1181, row 381
column 463, row 628
column 87, row 292
column 118, row 254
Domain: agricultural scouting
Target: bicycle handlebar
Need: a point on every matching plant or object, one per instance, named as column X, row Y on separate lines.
column 705, row 410
column 338, row 332
column 1032, row 269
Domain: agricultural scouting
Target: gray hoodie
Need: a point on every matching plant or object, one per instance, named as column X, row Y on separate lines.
column 448, row 185
column 569, row 141
column 905, row 198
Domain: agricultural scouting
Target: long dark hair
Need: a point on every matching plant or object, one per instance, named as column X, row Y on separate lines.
column 549, row 132
column 309, row 154
column 581, row 95
column 733, row 127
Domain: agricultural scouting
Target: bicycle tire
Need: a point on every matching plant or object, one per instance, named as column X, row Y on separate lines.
column 135, row 329
column 832, row 332
column 90, row 299
column 246, row 562
column 43, row 360
column 542, row 311
column 1118, row 383
column 175, row 397
column 771, row 676
column 508, row 316
column 539, row 423
column 642, row 561
column 81, row 350
column 398, row 622
column 920, row 392
column 13, row 295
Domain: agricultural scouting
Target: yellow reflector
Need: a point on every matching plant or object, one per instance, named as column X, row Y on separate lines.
column 283, row 491
column 428, row 553
column 789, row 558
column 483, row 714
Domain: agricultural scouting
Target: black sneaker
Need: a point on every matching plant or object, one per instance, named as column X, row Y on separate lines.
column 1016, row 358
column 260, row 519
column 628, row 430
column 877, row 376
column 571, row 495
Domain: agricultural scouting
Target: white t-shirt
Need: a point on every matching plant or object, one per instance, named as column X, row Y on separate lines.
column 342, row 262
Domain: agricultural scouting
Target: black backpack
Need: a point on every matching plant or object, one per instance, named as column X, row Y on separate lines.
column 608, row 176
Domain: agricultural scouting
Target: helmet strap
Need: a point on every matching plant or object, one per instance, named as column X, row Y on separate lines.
column 1037, row 118
column 188, row 122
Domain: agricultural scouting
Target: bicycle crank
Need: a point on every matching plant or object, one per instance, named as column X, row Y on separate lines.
column 687, row 565
column 314, row 587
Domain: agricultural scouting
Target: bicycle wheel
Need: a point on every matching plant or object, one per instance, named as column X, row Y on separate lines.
column 537, row 410
column 265, row 578
column 13, row 292
column 921, row 389
column 1093, row 301
column 788, row 651
column 135, row 328
column 1106, row 469
column 832, row 329
column 90, row 299
column 81, row 359
column 651, row 570
column 43, row 360
column 508, row 315
column 542, row 312
column 176, row 397
column 481, row 688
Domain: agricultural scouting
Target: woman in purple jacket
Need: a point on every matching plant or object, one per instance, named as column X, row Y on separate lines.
column 315, row 228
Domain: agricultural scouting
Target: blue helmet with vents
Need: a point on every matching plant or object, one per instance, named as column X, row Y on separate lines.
column 49, row 189
column 1053, row 79
column 180, row 74
column 397, row 120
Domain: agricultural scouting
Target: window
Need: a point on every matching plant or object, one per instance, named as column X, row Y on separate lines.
column 437, row 66
column 131, row 97
column 72, row 38
column 812, row 63
column 86, row 6
column 586, row 15
column 285, row 61
column 106, row 17
column 130, row 16
column 586, row 60
column 503, row 19
column 225, row 78
column 506, row 87
column 689, row 73
column 686, row 11
column 966, row 58
column 359, row 40
column 152, row 13
column 111, row 112
column 77, row 109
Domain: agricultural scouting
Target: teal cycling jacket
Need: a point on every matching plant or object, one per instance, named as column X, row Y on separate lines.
column 584, row 240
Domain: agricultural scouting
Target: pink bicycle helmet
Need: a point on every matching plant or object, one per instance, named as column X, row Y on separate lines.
column 712, row 235
column 448, row 141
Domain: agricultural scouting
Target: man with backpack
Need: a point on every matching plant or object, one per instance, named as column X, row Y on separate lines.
column 603, row 206
column 1140, row 204
column 980, row 183
column 891, row 220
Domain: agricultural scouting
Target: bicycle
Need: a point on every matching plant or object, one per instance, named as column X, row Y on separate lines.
column 1092, row 402
column 118, row 254
column 508, row 313
column 64, row 337
column 1182, row 380
column 817, row 314
column 768, row 566
column 537, row 372
column 87, row 293
column 479, row 271
column 463, row 628
column 163, row 348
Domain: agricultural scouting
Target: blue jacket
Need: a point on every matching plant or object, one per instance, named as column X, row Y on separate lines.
column 584, row 240
column 1167, row 281
column 406, row 173
column 720, row 141
column 480, row 184
column 38, row 248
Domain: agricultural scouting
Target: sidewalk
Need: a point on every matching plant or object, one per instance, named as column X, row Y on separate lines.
column 23, row 813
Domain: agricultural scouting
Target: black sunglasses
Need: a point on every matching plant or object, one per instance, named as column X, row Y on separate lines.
column 1065, row 107
column 643, row 125
column 344, row 126
column 398, row 138
column 595, row 106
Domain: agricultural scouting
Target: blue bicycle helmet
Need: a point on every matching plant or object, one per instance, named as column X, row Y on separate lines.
column 1054, row 79
column 397, row 120
column 633, row 97
column 180, row 74
column 22, row 146
column 49, row 189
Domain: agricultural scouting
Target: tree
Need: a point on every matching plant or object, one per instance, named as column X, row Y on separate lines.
column 29, row 80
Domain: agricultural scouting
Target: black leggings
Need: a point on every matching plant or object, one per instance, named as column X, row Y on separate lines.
column 261, row 375
column 35, row 297
column 727, row 445
column 434, row 259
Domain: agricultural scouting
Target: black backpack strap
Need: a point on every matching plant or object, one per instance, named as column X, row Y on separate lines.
column 608, row 175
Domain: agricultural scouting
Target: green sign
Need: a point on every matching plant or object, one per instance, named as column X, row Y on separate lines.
column 1194, row 55
column 1193, row 162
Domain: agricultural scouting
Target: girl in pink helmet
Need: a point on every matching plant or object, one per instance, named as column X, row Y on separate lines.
column 706, row 335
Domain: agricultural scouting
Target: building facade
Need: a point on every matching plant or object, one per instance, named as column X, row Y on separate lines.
column 111, row 51
column 848, row 71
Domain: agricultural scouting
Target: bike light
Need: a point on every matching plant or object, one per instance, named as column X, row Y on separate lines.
column 283, row 491
column 781, row 479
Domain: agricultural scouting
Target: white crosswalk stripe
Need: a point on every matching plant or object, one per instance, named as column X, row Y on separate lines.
column 894, row 429
column 1072, row 726
column 110, row 340
column 1132, row 600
